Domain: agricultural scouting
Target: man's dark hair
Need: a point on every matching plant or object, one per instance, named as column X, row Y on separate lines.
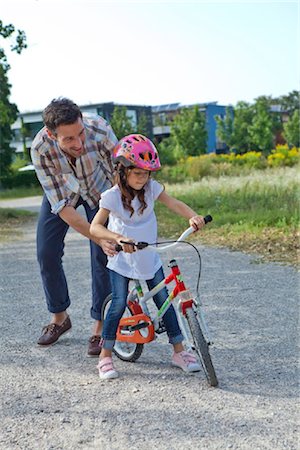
column 61, row 111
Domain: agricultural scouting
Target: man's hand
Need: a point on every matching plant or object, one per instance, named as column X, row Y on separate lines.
column 108, row 247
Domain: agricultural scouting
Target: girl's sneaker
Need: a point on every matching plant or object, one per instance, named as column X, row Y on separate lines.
column 186, row 361
column 106, row 369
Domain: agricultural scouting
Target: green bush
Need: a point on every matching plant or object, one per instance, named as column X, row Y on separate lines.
column 19, row 162
column 194, row 168
column 282, row 156
column 19, row 179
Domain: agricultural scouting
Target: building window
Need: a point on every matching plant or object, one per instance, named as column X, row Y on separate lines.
column 131, row 113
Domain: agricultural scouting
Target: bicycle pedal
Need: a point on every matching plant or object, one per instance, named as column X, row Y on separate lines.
column 138, row 326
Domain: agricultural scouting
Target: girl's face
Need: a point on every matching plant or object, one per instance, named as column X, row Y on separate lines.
column 137, row 178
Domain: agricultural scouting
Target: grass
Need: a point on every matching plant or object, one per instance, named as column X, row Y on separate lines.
column 256, row 213
column 20, row 192
column 11, row 222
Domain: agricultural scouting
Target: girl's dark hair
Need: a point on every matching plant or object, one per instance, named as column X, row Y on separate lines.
column 60, row 111
column 127, row 193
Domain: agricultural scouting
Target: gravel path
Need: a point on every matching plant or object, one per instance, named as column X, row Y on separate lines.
column 53, row 399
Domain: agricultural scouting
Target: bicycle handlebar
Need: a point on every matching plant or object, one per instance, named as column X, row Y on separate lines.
column 182, row 237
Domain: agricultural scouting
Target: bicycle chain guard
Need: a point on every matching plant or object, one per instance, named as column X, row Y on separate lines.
column 137, row 329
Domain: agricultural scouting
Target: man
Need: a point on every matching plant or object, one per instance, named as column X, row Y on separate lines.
column 72, row 159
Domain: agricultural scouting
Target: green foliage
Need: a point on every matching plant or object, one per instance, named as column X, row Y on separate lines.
column 18, row 179
column 11, row 213
column 254, row 127
column 283, row 156
column 120, row 122
column 142, row 125
column 8, row 111
column 165, row 150
column 292, row 130
column 261, row 129
column 243, row 117
column 256, row 200
column 21, row 192
column 194, row 168
column 18, row 163
column 188, row 132
column 289, row 102
column 233, row 130
column 225, row 127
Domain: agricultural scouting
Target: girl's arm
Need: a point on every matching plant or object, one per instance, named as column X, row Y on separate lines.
column 99, row 231
column 182, row 209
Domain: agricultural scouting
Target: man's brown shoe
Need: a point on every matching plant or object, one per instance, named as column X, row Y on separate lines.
column 52, row 332
column 94, row 346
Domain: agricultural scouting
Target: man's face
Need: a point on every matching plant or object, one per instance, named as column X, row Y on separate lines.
column 70, row 138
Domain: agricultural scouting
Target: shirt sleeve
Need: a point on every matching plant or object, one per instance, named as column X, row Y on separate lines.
column 108, row 200
column 156, row 189
column 52, row 183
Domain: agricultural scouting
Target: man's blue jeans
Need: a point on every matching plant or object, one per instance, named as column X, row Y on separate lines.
column 119, row 296
column 51, row 232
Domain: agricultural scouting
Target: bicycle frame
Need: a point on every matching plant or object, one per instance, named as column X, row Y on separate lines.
column 140, row 328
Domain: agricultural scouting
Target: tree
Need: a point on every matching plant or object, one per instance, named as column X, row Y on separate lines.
column 120, row 122
column 142, row 125
column 233, row 129
column 225, row 126
column 188, row 132
column 261, row 130
column 8, row 111
column 290, row 102
column 292, row 130
column 166, row 151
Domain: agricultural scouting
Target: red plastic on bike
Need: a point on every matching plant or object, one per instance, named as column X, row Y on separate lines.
column 135, row 307
column 185, row 305
column 135, row 336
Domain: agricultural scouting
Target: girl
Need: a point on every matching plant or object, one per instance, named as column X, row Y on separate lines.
column 129, row 205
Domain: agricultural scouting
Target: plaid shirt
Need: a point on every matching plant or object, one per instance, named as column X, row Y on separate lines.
column 93, row 174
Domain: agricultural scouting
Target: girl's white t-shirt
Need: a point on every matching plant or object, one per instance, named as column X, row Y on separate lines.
column 142, row 264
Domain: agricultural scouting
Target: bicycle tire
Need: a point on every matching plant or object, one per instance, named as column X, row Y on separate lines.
column 125, row 351
column 201, row 347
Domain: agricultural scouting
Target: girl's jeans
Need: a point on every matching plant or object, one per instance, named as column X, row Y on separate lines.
column 51, row 232
column 119, row 285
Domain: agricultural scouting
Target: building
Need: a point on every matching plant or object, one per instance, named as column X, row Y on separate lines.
column 163, row 114
column 158, row 117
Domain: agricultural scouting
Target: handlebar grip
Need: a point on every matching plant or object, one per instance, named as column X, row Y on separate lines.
column 139, row 245
column 208, row 218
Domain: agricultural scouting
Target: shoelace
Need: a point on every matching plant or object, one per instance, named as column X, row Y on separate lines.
column 188, row 358
column 95, row 339
column 49, row 328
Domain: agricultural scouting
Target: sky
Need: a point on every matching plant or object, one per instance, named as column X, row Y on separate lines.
column 152, row 52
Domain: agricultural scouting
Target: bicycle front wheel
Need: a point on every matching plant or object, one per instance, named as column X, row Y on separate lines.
column 201, row 347
column 126, row 351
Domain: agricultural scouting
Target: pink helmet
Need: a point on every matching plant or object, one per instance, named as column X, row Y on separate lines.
column 138, row 151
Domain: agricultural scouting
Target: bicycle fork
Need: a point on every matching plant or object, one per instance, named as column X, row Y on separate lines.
column 186, row 301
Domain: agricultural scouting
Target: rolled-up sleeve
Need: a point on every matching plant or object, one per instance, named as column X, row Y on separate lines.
column 53, row 184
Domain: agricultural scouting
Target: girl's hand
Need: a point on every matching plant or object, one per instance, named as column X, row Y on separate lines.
column 197, row 222
column 127, row 248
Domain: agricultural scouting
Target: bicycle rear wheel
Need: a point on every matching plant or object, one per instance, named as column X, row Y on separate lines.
column 201, row 347
column 126, row 351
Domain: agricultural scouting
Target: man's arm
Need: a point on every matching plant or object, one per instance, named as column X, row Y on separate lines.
column 69, row 215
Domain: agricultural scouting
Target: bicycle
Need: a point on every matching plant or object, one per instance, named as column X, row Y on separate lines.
column 138, row 327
